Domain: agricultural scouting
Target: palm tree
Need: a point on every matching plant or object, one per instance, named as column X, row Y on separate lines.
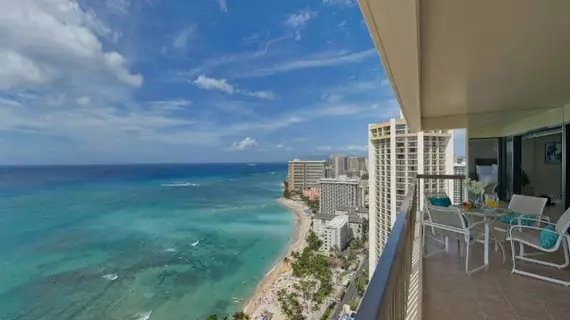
column 240, row 316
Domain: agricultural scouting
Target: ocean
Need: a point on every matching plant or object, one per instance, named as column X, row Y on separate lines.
column 155, row 242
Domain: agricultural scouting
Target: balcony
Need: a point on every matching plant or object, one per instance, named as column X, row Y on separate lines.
column 406, row 286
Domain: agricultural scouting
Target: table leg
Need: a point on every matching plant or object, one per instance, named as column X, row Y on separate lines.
column 486, row 245
column 485, row 265
column 497, row 241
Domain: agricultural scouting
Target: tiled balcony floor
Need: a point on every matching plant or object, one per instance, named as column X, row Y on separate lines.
column 449, row 293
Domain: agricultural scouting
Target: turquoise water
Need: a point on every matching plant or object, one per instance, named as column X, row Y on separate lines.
column 137, row 242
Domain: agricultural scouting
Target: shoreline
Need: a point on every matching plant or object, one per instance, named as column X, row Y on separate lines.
column 257, row 302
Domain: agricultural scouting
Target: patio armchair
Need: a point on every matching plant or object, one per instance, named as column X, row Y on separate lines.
column 450, row 223
column 530, row 209
column 531, row 236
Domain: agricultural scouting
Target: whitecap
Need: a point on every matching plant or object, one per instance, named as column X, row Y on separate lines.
column 142, row 316
column 170, row 250
column 195, row 243
column 111, row 276
column 180, row 184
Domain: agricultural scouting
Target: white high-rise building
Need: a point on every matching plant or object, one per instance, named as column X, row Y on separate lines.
column 336, row 233
column 459, row 193
column 338, row 163
column 395, row 158
column 339, row 192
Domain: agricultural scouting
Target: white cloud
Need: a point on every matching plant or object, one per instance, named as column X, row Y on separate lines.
column 280, row 146
column 342, row 24
column 180, row 40
column 246, row 144
column 297, row 21
column 347, row 3
column 16, row 70
column 168, row 106
column 83, row 100
column 385, row 82
column 308, row 63
column 347, row 148
column 357, row 148
column 300, row 19
column 332, row 97
column 119, row 6
column 49, row 39
column 206, row 83
column 266, row 95
column 223, row 5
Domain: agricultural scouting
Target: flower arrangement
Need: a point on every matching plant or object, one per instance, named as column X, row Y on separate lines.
column 474, row 186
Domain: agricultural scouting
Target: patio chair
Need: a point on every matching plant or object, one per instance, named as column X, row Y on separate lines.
column 450, row 223
column 530, row 209
column 530, row 236
column 427, row 203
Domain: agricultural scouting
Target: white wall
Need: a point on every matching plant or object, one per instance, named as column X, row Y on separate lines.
column 544, row 178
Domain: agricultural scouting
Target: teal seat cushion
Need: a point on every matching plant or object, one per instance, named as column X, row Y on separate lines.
column 512, row 219
column 440, row 202
column 548, row 237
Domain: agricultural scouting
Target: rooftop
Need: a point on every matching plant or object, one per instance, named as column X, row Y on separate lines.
column 342, row 179
column 352, row 218
column 307, row 161
column 338, row 221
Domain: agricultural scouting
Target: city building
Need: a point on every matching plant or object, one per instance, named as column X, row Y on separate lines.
column 356, row 167
column 355, row 223
column 342, row 191
column 361, row 212
column 352, row 163
column 363, row 189
column 338, row 164
column 329, row 172
column 304, row 174
column 459, row 193
column 363, row 164
column 396, row 156
column 312, row 193
column 335, row 233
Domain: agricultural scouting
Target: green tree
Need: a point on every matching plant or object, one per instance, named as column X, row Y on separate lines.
column 307, row 289
column 353, row 304
column 286, row 192
column 313, row 241
column 212, row 317
column 240, row 316
column 290, row 305
column 364, row 229
column 356, row 244
column 362, row 282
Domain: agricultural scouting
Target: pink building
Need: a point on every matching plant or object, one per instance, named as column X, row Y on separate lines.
column 312, row 193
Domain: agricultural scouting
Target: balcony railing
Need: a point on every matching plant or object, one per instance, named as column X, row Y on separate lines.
column 394, row 291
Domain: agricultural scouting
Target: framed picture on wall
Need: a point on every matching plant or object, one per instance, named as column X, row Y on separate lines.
column 553, row 153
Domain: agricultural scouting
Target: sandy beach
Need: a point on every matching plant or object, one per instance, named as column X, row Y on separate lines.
column 265, row 296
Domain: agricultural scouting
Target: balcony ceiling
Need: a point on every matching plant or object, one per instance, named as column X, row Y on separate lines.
column 475, row 64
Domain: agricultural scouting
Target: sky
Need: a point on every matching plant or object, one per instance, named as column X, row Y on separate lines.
column 135, row 81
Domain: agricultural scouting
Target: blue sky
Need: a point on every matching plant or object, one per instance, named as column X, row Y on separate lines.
column 121, row 81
